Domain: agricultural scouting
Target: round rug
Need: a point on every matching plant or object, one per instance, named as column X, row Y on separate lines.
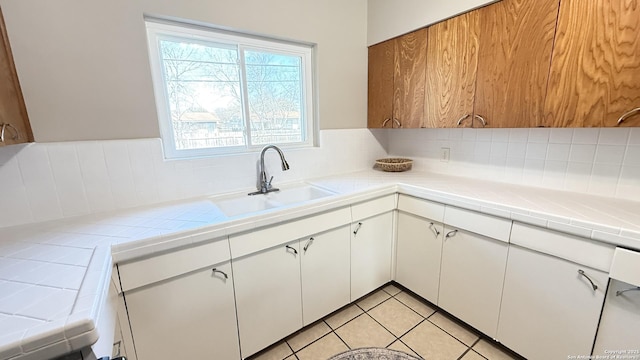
column 373, row 354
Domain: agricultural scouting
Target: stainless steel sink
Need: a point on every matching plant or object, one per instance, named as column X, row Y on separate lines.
column 240, row 204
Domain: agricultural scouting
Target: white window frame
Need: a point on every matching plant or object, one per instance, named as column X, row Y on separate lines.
column 159, row 29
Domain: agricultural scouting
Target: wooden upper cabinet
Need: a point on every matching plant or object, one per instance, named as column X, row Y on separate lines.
column 380, row 88
column 396, row 81
column 516, row 41
column 595, row 72
column 452, row 60
column 13, row 113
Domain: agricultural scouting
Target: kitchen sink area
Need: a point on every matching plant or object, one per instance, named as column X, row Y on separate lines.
column 240, row 204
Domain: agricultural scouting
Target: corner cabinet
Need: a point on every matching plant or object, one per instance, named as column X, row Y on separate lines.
column 396, row 82
column 181, row 305
column 14, row 123
column 552, row 297
column 371, row 245
column 595, row 71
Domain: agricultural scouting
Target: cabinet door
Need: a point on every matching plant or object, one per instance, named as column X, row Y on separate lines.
column 452, row 61
column 471, row 278
column 371, row 241
column 325, row 273
column 595, row 72
column 268, row 296
column 620, row 323
column 12, row 108
column 409, row 80
column 380, row 85
column 418, row 255
column 549, row 310
column 516, row 40
column 186, row 317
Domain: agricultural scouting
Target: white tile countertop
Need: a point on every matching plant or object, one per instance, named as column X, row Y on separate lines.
column 54, row 276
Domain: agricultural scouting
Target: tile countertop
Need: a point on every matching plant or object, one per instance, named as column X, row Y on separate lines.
column 54, row 276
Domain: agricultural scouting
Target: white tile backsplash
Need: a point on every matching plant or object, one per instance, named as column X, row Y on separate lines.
column 601, row 161
column 47, row 181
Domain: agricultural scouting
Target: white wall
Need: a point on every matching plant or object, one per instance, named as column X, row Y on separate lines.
column 84, row 70
column 387, row 19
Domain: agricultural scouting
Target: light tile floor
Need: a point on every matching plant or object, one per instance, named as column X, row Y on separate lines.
column 393, row 318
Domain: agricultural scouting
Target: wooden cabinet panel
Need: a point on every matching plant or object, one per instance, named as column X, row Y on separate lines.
column 380, row 85
column 12, row 108
column 452, row 61
column 547, row 301
column 409, row 79
column 595, row 72
column 516, row 40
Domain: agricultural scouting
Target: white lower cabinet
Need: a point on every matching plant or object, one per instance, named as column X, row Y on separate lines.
column 325, row 267
column 471, row 278
column 550, row 309
column 191, row 316
column 371, row 249
column 268, row 296
column 418, row 255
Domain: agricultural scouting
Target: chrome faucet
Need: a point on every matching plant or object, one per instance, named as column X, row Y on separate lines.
column 265, row 186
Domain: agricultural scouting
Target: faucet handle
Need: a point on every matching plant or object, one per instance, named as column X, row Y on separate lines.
column 269, row 183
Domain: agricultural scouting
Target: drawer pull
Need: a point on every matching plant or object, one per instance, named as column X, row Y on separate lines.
column 306, row 246
column 395, row 121
column 384, row 123
column 620, row 292
column 215, row 270
column 451, row 233
column 462, row 119
column 626, row 115
column 433, row 228
column 594, row 286
column 484, row 123
column 355, row 232
column 292, row 249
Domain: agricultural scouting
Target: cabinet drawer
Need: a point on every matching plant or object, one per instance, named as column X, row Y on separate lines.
column 258, row 240
column 165, row 266
column 626, row 266
column 373, row 207
column 573, row 248
column 423, row 208
column 487, row 225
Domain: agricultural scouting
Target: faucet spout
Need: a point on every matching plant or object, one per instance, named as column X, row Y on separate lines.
column 265, row 185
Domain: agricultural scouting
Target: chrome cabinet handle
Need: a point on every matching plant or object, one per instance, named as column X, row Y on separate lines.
column 215, row 270
column 594, row 286
column 451, row 233
column 293, row 249
column 395, row 121
column 484, row 123
column 620, row 292
column 462, row 119
column 16, row 134
column 355, row 232
column 384, row 123
column 433, row 228
column 306, row 246
column 627, row 114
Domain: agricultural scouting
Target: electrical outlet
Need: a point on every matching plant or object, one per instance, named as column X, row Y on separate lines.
column 444, row 154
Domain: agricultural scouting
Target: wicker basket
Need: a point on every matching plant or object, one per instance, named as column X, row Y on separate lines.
column 394, row 164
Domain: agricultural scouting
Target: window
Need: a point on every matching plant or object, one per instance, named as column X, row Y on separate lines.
column 221, row 92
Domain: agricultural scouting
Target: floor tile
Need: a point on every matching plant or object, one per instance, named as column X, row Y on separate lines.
column 454, row 328
column 417, row 305
column 277, row 352
column 400, row 346
column 323, row 349
column 391, row 289
column 363, row 331
column 431, row 343
column 308, row 335
column 372, row 300
column 341, row 317
column 472, row 355
column 395, row 316
column 491, row 351
column 292, row 357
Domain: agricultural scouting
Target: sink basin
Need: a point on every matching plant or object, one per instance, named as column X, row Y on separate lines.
column 240, row 204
